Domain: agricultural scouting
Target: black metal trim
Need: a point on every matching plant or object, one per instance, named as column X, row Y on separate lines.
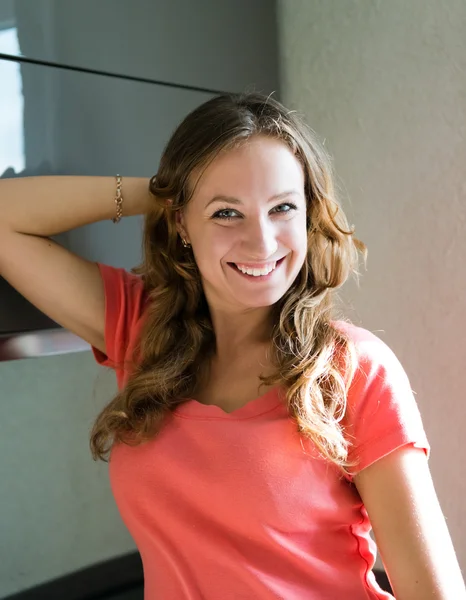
column 48, row 63
column 98, row 582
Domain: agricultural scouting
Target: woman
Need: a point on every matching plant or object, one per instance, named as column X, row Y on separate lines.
column 254, row 439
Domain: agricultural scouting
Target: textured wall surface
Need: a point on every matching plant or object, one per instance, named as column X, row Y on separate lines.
column 384, row 83
column 57, row 513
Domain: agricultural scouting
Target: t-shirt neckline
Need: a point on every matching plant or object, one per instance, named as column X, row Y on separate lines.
column 193, row 409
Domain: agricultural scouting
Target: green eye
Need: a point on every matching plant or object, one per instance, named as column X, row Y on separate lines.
column 289, row 205
column 228, row 214
column 220, row 214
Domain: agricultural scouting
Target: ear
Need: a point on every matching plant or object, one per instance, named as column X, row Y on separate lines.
column 180, row 225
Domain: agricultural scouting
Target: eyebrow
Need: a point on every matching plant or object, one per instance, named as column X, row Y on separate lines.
column 232, row 200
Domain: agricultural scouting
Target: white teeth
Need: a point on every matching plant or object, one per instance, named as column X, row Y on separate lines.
column 257, row 272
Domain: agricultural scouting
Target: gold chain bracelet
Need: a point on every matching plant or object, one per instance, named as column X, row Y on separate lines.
column 118, row 201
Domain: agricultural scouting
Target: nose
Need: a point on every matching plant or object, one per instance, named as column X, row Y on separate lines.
column 260, row 239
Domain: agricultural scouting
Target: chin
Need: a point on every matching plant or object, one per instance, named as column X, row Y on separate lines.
column 262, row 300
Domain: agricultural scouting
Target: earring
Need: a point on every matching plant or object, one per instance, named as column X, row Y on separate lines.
column 185, row 243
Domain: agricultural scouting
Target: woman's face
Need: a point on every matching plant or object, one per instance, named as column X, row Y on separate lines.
column 246, row 223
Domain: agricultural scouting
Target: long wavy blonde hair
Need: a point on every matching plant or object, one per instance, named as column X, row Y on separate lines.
column 314, row 361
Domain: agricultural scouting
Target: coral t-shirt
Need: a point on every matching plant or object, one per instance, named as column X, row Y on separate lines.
column 229, row 506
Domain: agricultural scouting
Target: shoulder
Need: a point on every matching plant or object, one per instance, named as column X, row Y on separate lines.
column 381, row 412
column 125, row 292
column 119, row 277
column 125, row 307
column 370, row 349
column 362, row 338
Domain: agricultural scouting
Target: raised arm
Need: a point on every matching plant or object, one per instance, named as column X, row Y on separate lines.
column 64, row 286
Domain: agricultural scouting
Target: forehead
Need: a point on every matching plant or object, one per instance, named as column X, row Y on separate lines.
column 258, row 168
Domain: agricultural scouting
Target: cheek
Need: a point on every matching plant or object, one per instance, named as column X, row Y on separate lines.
column 211, row 247
column 297, row 243
column 296, row 236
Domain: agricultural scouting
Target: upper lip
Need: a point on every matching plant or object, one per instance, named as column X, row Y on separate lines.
column 258, row 265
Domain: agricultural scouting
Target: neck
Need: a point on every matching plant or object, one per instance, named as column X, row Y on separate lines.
column 239, row 333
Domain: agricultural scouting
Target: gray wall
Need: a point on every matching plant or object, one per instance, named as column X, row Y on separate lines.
column 222, row 45
column 57, row 512
column 384, row 83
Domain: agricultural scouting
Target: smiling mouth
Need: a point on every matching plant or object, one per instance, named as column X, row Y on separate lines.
column 255, row 272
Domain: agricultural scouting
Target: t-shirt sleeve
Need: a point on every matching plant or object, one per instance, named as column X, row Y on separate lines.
column 382, row 412
column 124, row 303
